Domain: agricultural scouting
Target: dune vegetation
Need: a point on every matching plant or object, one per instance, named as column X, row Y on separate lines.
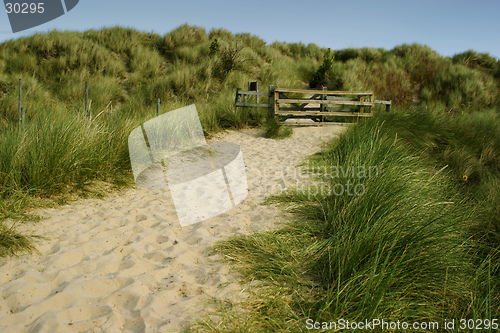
column 423, row 240
column 416, row 241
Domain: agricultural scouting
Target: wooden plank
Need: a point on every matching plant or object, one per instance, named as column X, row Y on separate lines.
column 327, row 92
column 320, row 113
column 327, row 102
column 342, row 109
column 257, row 105
column 253, row 93
column 383, row 102
column 326, row 123
column 337, row 98
column 386, row 103
column 295, row 105
column 329, row 108
column 301, row 110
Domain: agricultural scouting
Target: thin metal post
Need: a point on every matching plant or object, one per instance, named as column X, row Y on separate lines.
column 20, row 102
column 257, row 89
column 157, row 107
column 87, row 111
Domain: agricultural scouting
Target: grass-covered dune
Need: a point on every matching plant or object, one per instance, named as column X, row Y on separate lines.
column 127, row 70
column 419, row 243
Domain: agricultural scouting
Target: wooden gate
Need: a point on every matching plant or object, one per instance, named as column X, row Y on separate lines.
column 318, row 105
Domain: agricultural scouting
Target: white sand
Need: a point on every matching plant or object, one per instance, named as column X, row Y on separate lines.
column 124, row 264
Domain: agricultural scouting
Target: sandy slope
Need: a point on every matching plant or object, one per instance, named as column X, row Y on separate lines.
column 123, row 264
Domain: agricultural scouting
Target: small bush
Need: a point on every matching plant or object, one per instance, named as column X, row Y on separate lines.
column 320, row 75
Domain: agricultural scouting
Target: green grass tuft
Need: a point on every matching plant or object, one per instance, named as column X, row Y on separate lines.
column 417, row 245
column 274, row 129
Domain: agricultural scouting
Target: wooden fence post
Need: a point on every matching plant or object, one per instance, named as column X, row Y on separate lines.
column 157, row 107
column 372, row 99
column 272, row 102
column 236, row 98
column 323, row 106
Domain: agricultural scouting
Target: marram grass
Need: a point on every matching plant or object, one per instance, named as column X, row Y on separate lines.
column 420, row 243
column 406, row 249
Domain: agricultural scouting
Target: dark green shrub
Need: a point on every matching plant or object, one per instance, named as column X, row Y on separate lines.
column 214, row 47
column 320, row 75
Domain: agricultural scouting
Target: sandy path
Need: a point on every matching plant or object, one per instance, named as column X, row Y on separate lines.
column 123, row 263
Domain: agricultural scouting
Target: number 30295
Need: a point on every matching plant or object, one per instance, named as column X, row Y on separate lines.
column 24, row 8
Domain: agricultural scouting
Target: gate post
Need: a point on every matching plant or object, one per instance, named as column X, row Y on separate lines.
column 372, row 109
column 323, row 106
column 237, row 97
column 272, row 102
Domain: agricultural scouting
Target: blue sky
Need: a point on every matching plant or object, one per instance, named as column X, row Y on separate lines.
column 447, row 26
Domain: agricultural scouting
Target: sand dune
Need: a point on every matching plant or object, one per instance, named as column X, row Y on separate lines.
column 124, row 264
